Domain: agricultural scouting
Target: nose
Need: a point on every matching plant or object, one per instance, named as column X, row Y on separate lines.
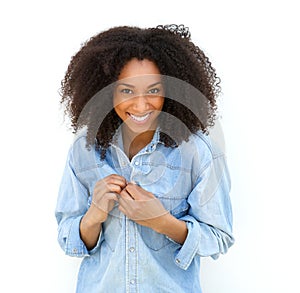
column 140, row 103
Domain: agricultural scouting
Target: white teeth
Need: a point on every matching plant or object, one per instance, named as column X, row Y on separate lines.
column 139, row 118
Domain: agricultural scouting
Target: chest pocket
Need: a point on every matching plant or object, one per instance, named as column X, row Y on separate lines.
column 172, row 187
column 156, row 241
column 170, row 183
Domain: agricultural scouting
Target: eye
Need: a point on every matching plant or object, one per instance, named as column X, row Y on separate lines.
column 126, row 91
column 154, row 91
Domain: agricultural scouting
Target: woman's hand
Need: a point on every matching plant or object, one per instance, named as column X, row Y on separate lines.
column 105, row 194
column 141, row 206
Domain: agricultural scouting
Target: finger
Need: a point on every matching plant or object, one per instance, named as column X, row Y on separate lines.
column 106, row 197
column 124, row 206
column 104, row 205
column 126, row 202
column 132, row 190
column 126, row 195
column 111, row 179
column 115, row 182
column 117, row 179
column 105, row 188
column 111, row 196
column 114, row 188
column 137, row 192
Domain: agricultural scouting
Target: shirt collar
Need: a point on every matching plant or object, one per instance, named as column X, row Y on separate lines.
column 117, row 139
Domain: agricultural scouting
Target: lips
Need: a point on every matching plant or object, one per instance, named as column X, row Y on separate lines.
column 139, row 118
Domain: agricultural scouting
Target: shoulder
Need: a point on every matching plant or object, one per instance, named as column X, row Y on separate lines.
column 212, row 142
column 203, row 143
column 80, row 141
column 80, row 155
column 201, row 149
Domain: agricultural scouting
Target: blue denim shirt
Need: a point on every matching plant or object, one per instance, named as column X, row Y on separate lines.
column 193, row 184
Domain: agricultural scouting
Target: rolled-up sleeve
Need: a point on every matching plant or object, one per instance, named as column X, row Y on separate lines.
column 209, row 220
column 72, row 204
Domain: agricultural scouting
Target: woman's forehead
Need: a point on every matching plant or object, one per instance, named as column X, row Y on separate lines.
column 136, row 67
column 146, row 80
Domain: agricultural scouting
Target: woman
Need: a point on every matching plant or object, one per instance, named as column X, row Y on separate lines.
column 145, row 192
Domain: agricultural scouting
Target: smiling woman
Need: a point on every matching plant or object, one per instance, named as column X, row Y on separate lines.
column 145, row 192
column 138, row 100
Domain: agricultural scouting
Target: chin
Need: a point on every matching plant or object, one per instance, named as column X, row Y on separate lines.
column 140, row 128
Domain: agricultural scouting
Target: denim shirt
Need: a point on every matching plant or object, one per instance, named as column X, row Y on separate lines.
column 191, row 181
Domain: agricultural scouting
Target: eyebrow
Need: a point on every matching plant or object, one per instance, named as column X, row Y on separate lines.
column 132, row 86
column 126, row 84
column 154, row 84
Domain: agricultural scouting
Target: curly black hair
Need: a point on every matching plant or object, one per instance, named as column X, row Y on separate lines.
column 191, row 83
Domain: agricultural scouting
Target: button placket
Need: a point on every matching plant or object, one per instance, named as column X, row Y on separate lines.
column 132, row 265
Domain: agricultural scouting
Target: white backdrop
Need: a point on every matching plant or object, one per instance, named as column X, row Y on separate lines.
column 254, row 45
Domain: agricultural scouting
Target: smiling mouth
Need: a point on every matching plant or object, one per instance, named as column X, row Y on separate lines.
column 140, row 119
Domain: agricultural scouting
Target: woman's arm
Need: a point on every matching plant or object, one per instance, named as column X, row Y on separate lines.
column 104, row 196
column 205, row 230
column 90, row 227
column 171, row 227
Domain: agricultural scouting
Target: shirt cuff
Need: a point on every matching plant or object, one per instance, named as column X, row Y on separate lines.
column 189, row 249
column 74, row 245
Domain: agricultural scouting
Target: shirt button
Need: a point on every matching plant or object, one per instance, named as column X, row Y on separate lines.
column 177, row 260
column 74, row 250
column 131, row 249
column 132, row 282
column 136, row 163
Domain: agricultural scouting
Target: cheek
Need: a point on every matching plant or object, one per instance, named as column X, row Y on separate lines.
column 121, row 108
column 117, row 107
column 116, row 101
column 159, row 103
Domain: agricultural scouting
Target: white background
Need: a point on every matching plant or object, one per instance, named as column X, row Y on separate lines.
column 254, row 47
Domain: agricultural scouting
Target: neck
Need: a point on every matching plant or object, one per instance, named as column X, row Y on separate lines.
column 133, row 142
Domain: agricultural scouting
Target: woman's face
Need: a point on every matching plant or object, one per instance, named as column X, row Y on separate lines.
column 139, row 95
